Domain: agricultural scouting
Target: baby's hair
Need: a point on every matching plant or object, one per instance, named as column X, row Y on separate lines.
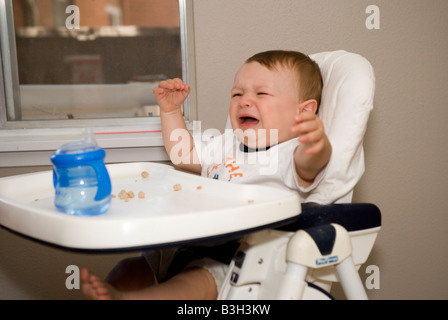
column 305, row 67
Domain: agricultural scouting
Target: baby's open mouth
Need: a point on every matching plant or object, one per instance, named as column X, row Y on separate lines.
column 248, row 121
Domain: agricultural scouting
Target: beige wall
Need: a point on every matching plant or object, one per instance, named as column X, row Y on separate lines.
column 406, row 157
column 406, row 154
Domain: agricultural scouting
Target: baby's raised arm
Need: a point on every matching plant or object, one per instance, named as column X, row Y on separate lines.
column 314, row 151
column 170, row 95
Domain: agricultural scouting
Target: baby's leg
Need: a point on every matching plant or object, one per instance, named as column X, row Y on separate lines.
column 190, row 284
column 193, row 283
column 131, row 274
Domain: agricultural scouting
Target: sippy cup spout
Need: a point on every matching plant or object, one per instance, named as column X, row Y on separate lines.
column 88, row 136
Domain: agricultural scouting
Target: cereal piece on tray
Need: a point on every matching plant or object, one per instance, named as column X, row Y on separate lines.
column 123, row 194
column 145, row 174
column 126, row 195
column 177, row 187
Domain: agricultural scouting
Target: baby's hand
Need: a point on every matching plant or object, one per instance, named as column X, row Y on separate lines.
column 170, row 94
column 311, row 131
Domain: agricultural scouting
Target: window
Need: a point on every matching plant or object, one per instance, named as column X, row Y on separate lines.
column 69, row 64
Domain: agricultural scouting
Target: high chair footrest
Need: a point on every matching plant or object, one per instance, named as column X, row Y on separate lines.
column 352, row 216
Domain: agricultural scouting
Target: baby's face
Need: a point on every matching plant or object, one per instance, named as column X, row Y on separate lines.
column 263, row 99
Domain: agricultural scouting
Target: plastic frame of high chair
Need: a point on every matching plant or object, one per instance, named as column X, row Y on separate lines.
column 326, row 243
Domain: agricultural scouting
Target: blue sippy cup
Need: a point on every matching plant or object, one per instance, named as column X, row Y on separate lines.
column 81, row 181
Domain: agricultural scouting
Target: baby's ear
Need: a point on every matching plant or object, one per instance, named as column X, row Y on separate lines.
column 309, row 105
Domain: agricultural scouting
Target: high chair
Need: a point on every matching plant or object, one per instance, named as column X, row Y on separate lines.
column 328, row 241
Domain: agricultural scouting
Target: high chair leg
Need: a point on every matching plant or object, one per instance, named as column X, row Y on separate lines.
column 319, row 247
column 350, row 281
column 293, row 283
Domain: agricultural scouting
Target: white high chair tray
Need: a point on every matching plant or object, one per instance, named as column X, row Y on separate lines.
column 204, row 208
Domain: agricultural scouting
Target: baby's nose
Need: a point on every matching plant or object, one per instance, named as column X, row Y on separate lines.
column 246, row 101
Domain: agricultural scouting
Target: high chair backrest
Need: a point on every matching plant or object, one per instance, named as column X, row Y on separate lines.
column 347, row 99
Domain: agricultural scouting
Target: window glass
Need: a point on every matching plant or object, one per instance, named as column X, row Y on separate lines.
column 91, row 59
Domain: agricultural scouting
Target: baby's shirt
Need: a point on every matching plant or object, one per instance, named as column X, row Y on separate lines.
column 225, row 158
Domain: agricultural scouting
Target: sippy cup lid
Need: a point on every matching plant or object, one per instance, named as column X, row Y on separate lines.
column 74, row 153
column 86, row 144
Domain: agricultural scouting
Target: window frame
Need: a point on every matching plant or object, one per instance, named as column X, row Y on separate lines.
column 30, row 143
